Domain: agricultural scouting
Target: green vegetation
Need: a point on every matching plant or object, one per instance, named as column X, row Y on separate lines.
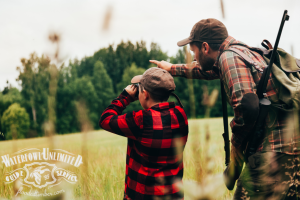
column 15, row 122
column 106, row 153
column 95, row 80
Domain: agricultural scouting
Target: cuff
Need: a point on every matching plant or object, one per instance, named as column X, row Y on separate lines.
column 124, row 95
column 173, row 70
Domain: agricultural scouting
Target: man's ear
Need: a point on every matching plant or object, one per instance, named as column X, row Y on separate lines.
column 205, row 47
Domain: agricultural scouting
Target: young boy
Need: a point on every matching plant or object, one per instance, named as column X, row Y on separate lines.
column 156, row 136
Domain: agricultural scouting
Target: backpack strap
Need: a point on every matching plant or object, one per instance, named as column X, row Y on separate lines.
column 245, row 57
column 265, row 43
column 242, row 54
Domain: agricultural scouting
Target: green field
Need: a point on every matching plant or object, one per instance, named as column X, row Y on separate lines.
column 105, row 153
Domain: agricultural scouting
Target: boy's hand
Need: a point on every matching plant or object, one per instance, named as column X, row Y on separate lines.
column 131, row 90
column 162, row 64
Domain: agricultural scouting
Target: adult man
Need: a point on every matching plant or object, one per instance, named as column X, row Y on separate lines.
column 269, row 172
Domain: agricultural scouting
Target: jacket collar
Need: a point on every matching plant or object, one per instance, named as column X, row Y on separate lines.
column 163, row 106
column 229, row 41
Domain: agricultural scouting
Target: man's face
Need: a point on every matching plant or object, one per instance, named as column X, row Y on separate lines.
column 203, row 57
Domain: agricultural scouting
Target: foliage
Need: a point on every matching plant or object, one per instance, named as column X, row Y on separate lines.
column 84, row 91
column 95, row 80
column 7, row 98
column 130, row 72
column 103, row 86
column 115, row 61
column 15, row 120
column 34, row 78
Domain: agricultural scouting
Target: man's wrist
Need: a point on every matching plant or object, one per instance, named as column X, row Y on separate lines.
column 173, row 69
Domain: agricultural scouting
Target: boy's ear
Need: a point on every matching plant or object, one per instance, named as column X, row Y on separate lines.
column 147, row 95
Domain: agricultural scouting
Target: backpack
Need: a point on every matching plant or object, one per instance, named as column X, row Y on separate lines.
column 286, row 70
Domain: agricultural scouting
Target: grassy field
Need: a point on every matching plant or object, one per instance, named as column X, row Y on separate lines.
column 103, row 176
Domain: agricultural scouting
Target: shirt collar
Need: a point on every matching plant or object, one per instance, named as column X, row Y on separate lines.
column 225, row 45
column 163, row 106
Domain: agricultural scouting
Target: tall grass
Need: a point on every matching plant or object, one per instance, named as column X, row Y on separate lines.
column 203, row 160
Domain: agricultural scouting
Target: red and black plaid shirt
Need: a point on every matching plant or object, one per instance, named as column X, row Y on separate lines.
column 156, row 139
column 239, row 79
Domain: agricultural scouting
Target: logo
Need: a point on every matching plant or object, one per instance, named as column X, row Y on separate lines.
column 40, row 171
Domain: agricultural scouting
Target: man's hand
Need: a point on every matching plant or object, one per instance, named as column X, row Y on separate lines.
column 131, row 90
column 162, row 64
column 237, row 156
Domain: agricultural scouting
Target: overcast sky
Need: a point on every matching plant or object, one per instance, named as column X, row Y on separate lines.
column 25, row 25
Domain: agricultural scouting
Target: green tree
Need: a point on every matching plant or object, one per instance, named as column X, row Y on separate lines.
column 7, row 98
column 103, row 87
column 156, row 53
column 181, row 83
column 66, row 115
column 84, row 91
column 141, row 55
column 34, row 78
column 15, row 120
column 116, row 60
column 12, row 95
column 129, row 73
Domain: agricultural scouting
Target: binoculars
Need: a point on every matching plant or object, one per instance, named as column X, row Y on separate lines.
column 137, row 92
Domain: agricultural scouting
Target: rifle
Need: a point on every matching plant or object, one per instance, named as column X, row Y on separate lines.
column 225, row 124
column 232, row 172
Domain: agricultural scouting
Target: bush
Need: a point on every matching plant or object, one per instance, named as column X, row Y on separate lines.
column 15, row 120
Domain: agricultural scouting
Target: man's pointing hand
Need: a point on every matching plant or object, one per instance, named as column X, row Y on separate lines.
column 162, row 64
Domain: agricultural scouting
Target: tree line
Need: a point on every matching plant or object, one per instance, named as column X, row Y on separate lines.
column 95, row 80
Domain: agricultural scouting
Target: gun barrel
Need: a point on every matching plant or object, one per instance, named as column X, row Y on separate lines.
column 261, row 91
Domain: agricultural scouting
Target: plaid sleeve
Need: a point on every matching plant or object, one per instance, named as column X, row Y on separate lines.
column 192, row 71
column 238, row 81
column 127, row 125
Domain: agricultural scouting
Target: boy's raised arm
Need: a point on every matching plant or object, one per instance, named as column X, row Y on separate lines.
column 113, row 121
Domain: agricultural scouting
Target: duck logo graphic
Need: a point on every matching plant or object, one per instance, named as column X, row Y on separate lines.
column 40, row 174
column 41, row 169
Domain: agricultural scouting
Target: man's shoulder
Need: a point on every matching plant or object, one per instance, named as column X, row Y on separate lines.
column 241, row 54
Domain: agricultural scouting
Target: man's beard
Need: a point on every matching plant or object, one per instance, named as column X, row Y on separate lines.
column 206, row 63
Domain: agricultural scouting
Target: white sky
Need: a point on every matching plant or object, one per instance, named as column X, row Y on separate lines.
column 25, row 25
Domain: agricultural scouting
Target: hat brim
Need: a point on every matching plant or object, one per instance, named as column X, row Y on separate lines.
column 184, row 42
column 136, row 79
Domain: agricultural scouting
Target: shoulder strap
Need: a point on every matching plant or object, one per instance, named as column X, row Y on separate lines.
column 245, row 57
column 242, row 54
